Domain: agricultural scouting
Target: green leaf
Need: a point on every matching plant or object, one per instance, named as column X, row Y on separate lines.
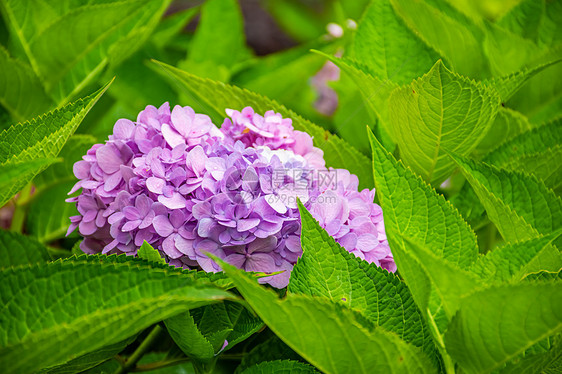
column 91, row 303
column 148, row 253
column 544, row 276
column 90, row 360
column 186, row 335
column 15, row 175
column 328, row 335
column 550, row 27
column 298, row 19
column 225, row 321
column 497, row 324
column 524, row 19
column 507, row 52
column 21, row 92
column 217, row 96
column 326, row 269
column 508, row 85
column 217, row 279
column 545, row 165
column 540, row 98
column 534, row 20
column 443, row 285
column 520, row 205
column 172, row 25
column 428, row 238
column 76, row 47
column 390, row 50
column 549, row 362
column 221, row 27
column 534, row 151
column 438, row 113
column 17, row 249
column 271, row 349
column 512, row 262
column 507, row 125
column 25, row 20
column 417, row 212
column 458, row 45
column 280, row 367
column 44, row 137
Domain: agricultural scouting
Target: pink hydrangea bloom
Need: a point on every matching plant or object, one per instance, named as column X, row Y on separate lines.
column 173, row 179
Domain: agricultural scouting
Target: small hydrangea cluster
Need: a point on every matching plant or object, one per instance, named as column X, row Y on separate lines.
column 175, row 180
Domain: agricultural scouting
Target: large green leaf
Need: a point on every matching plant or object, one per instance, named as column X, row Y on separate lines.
column 21, row 92
column 549, row 362
column 221, row 26
column 530, row 142
column 524, row 19
column 528, row 149
column 540, row 98
column 391, row 50
column 508, row 85
column 44, row 137
column 90, row 360
column 328, row 335
column 512, row 262
column 544, row 165
column 17, row 249
column 439, row 285
column 417, row 212
column 15, row 175
column 507, row 125
column 172, row 25
column 497, row 324
column 550, row 28
column 507, row 52
column 520, row 205
column 431, row 243
column 217, row 96
column 326, row 269
column 459, row 45
column 76, row 47
column 439, row 113
column 91, row 303
column 536, row 20
column 218, row 279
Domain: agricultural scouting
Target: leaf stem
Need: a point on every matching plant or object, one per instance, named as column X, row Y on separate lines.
column 131, row 362
column 18, row 218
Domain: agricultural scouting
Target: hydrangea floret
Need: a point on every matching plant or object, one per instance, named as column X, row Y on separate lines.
column 188, row 188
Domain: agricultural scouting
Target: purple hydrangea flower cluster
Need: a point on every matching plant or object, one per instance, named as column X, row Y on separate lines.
column 175, row 180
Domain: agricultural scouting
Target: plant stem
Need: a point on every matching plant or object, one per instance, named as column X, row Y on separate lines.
column 140, row 351
column 18, row 218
